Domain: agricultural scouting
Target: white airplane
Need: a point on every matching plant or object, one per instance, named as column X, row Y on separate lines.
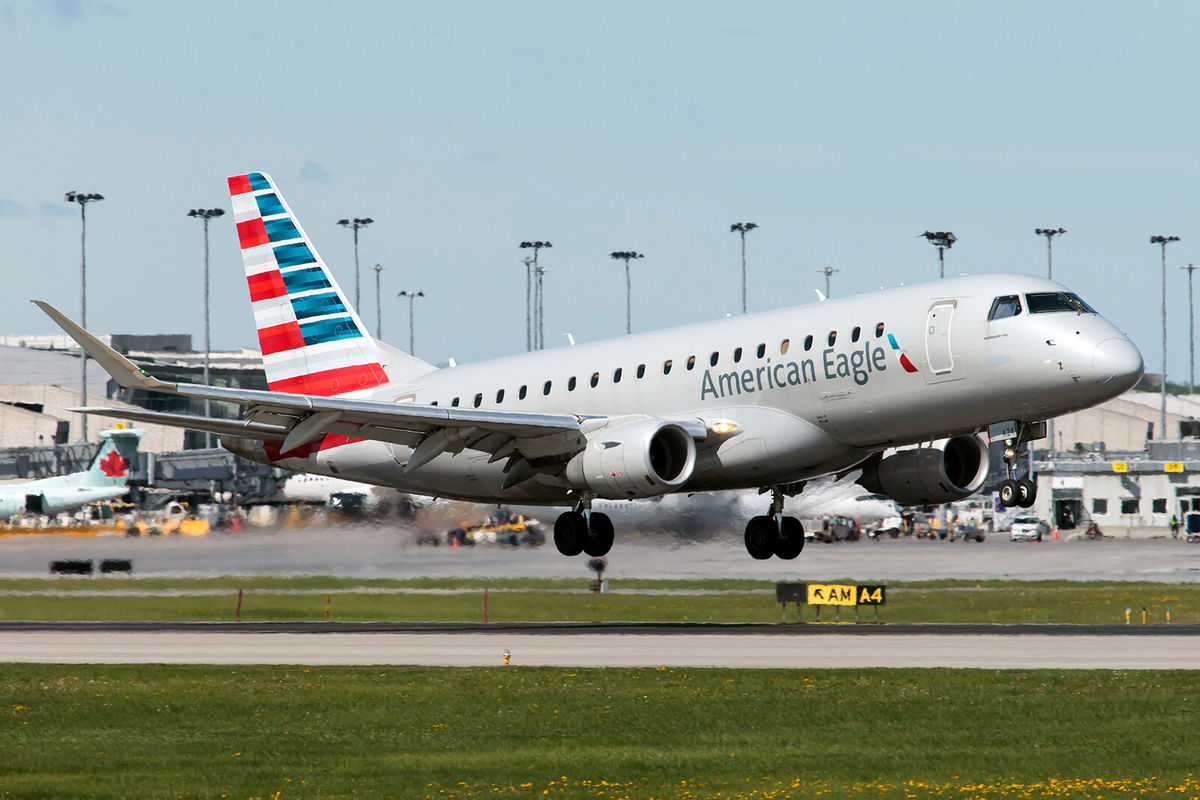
column 105, row 479
column 764, row 401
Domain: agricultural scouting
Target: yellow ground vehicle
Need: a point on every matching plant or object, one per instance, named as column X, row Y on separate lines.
column 174, row 520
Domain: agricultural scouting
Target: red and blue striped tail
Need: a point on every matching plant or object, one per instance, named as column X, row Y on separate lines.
column 312, row 340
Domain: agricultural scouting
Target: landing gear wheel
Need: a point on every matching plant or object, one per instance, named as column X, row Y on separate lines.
column 1009, row 492
column 1026, row 493
column 600, row 537
column 570, row 533
column 761, row 537
column 791, row 539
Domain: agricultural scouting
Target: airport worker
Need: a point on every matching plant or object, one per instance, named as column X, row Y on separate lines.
column 1174, row 527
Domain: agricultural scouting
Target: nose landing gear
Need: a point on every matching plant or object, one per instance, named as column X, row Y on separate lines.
column 1020, row 493
column 774, row 534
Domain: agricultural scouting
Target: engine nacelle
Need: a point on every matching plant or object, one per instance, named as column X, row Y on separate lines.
column 635, row 459
column 929, row 475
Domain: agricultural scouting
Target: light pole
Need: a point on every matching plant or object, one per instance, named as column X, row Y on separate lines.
column 83, row 199
column 528, row 262
column 1050, row 233
column 743, row 228
column 626, row 255
column 205, row 214
column 412, row 295
column 354, row 225
column 536, row 272
column 943, row 241
column 828, row 273
column 1162, row 242
column 1191, row 330
column 378, row 268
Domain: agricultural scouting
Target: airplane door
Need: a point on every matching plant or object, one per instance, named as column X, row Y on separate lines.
column 937, row 341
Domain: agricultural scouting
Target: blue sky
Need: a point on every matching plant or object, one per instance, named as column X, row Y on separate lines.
column 844, row 129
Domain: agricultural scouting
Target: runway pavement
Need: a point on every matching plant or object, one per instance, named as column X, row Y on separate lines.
column 811, row 646
column 615, row 650
column 378, row 551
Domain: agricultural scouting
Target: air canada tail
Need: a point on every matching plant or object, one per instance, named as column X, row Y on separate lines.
column 116, row 457
column 312, row 339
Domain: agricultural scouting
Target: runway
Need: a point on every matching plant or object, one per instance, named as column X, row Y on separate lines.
column 737, row 646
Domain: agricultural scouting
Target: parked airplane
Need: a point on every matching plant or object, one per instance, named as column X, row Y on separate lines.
column 105, row 479
column 764, row 401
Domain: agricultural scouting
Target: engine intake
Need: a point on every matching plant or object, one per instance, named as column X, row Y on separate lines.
column 928, row 475
column 635, row 459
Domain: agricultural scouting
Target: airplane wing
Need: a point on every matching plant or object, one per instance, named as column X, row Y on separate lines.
column 293, row 420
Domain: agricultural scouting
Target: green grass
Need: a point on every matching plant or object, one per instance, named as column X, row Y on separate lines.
column 267, row 598
column 287, row 732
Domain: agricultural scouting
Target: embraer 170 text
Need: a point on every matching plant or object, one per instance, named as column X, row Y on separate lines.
column 765, row 401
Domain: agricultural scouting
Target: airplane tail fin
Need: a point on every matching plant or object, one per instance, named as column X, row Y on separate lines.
column 116, row 458
column 312, row 339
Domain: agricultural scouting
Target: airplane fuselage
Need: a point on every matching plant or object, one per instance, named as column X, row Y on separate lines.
column 812, row 389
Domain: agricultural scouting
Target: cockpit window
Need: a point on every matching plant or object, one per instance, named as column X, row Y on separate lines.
column 1045, row 302
column 1007, row 306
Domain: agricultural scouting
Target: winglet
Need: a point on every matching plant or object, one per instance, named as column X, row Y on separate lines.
column 122, row 370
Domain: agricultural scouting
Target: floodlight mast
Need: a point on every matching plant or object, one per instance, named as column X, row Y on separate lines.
column 204, row 215
column 1050, row 233
column 412, row 295
column 354, row 225
column 378, row 268
column 83, row 198
column 1162, row 242
column 626, row 256
column 535, row 271
column 828, row 273
column 943, row 241
column 742, row 228
column 1191, row 329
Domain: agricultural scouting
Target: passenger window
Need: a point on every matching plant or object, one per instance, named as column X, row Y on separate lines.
column 854, row 334
column 595, row 381
column 879, row 331
column 784, row 346
column 691, row 362
column 1006, row 306
column 434, row 403
column 478, row 399
column 762, row 350
column 667, row 367
column 454, row 402
column 571, row 384
column 617, row 375
column 737, row 354
column 832, row 337
column 713, row 359
column 522, row 392
column 546, row 388
column 641, row 371
column 499, row 396
column 808, row 341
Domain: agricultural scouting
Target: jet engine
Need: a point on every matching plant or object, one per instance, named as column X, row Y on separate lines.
column 635, row 459
column 928, row 475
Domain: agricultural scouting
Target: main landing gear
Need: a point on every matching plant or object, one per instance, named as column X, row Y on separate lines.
column 1020, row 493
column 774, row 534
column 583, row 531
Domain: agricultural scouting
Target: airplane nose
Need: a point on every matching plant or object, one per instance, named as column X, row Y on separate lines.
column 1117, row 362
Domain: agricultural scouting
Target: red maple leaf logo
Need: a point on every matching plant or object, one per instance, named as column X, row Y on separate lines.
column 113, row 465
